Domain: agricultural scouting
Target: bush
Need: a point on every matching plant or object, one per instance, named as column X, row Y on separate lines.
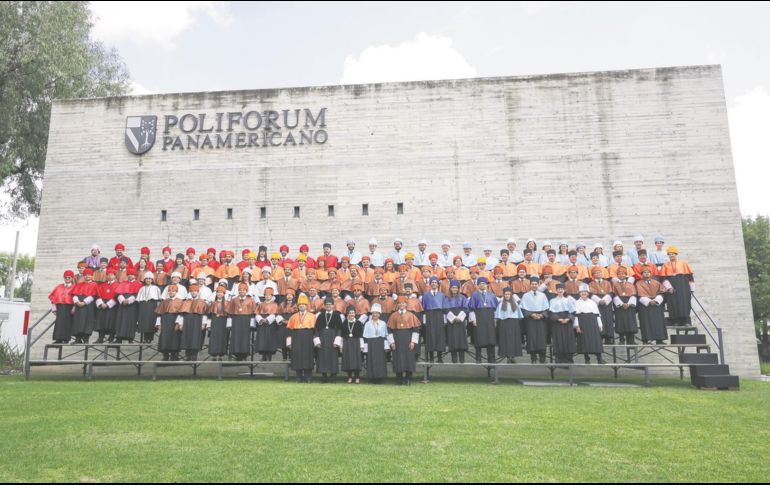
column 11, row 357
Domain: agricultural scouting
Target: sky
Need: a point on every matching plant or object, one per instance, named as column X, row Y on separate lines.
column 212, row 46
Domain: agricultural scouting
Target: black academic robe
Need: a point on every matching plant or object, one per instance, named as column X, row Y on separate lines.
column 327, row 329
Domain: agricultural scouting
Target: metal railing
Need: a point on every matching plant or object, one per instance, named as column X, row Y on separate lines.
column 30, row 342
column 718, row 340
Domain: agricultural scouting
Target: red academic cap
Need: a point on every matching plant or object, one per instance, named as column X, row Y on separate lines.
column 120, row 247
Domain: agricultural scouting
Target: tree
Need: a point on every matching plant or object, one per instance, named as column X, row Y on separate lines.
column 756, row 237
column 25, row 268
column 45, row 54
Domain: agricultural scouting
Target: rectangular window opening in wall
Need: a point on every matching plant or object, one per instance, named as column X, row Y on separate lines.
column 163, row 216
column 331, row 211
column 196, row 214
column 400, row 208
column 263, row 212
column 229, row 213
column 365, row 210
column 296, row 211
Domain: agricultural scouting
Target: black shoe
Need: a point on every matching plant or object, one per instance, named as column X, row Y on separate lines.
column 601, row 361
column 660, row 342
column 588, row 360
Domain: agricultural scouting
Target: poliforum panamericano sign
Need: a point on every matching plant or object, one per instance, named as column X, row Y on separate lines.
column 228, row 130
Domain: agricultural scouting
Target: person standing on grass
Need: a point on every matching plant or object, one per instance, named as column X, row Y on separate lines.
column 405, row 334
column 300, row 341
column 328, row 340
column 352, row 345
column 375, row 344
column 588, row 326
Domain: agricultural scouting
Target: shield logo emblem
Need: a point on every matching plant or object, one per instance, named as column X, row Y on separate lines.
column 140, row 133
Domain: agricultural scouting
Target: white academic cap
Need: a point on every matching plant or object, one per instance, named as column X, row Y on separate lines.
column 445, row 242
column 488, row 247
column 532, row 239
column 510, row 241
column 616, row 243
column 422, row 241
column 176, row 274
column 639, row 238
column 148, row 274
column 376, row 308
column 96, row 246
column 202, row 275
column 246, row 270
column 267, row 269
column 547, row 243
column 580, row 245
column 598, row 245
column 659, row 238
column 373, row 241
column 584, row 287
column 351, row 241
column 467, row 245
column 398, row 240
column 223, row 282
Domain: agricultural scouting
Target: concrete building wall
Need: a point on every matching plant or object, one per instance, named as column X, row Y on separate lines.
column 575, row 157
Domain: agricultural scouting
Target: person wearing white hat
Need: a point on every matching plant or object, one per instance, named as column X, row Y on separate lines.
column 375, row 257
column 252, row 287
column 633, row 254
column 421, row 256
column 541, row 257
column 94, row 259
column 469, row 259
column 618, row 246
column 205, row 293
column 181, row 291
column 659, row 256
column 398, row 255
column 492, row 261
column 603, row 259
column 445, row 257
column 265, row 282
column 375, row 346
column 355, row 256
column 148, row 298
column 515, row 256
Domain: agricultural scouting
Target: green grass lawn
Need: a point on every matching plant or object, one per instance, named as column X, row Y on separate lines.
column 765, row 367
column 268, row 430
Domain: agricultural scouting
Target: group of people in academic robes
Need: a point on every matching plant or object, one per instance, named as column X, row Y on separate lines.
column 336, row 317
